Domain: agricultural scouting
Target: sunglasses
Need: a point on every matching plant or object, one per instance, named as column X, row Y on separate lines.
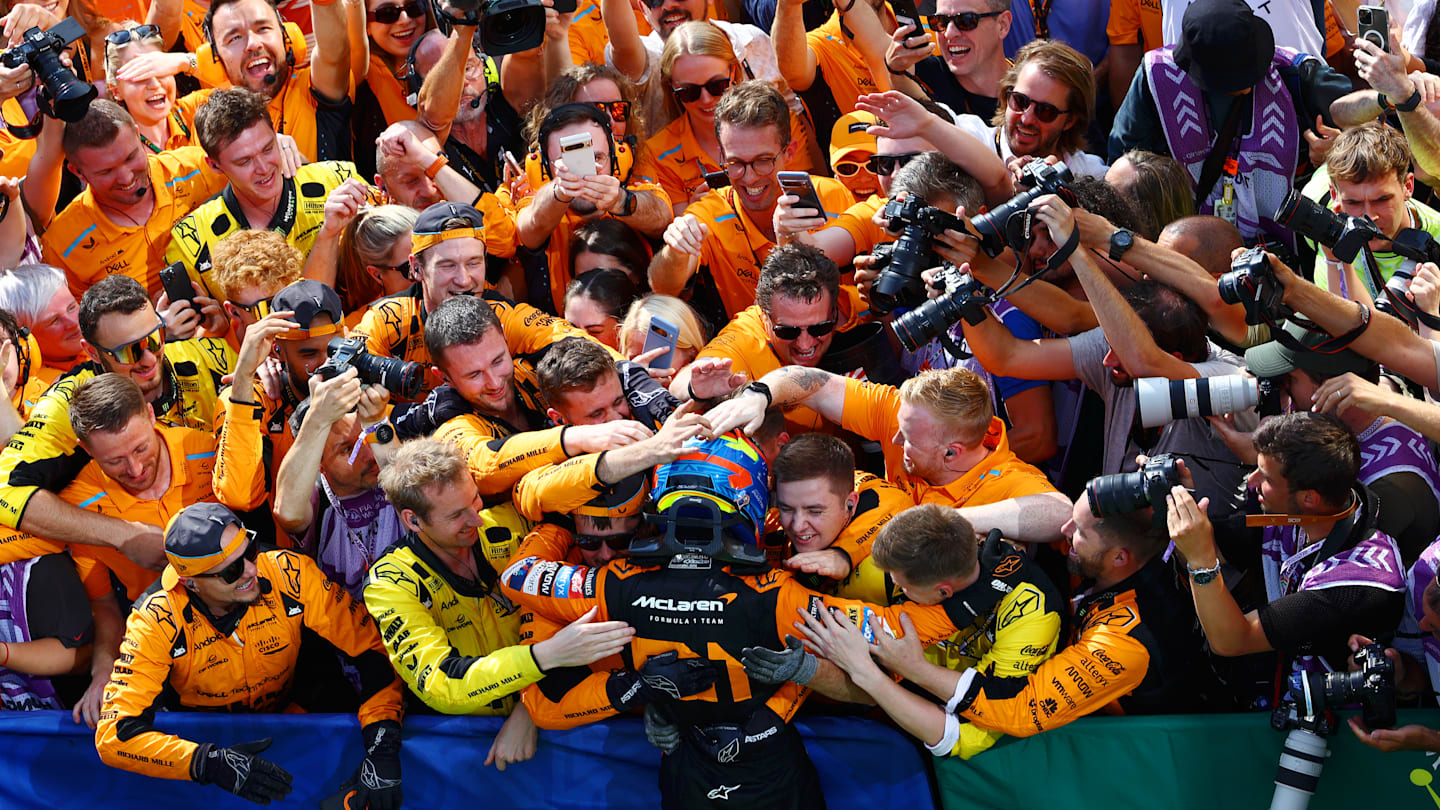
column 654, row 3
column 965, row 21
column 885, row 165
column 815, row 329
column 230, row 573
column 849, row 168
column 390, row 14
column 1044, row 110
column 593, row 542
column 131, row 353
column 690, row 93
column 257, row 310
column 619, row 111
column 127, row 35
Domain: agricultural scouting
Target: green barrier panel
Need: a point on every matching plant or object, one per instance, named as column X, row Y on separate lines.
column 1205, row 762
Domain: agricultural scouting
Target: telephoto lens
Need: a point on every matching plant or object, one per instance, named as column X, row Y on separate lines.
column 1162, row 400
column 1298, row 773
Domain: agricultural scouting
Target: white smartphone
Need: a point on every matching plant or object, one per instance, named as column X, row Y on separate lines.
column 512, row 162
column 578, row 153
column 661, row 333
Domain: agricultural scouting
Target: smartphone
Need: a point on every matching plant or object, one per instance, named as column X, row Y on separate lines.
column 578, row 153
column 715, row 179
column 661, row 333
column 512, row 163
column 798, row 184
column 907, row 14
column 566, row 6
column 177, row 283
column 1374, row 26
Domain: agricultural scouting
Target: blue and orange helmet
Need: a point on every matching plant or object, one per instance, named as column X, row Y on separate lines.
column 711, row 501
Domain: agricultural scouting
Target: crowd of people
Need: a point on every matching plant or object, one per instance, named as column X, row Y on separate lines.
column 984, row 367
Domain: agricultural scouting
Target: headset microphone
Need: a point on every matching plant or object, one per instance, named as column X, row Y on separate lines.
column 476, row 102
column 270, row 78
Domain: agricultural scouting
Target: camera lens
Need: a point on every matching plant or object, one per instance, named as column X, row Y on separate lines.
column 511, row 26
column 1162, row 401
column 398, row 376
column 1117, row 494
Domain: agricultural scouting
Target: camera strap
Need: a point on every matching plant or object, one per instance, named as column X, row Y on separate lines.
column 1346, row 515
column 1220, row 152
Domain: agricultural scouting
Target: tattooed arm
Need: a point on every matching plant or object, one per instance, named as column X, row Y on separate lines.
column 818, row 390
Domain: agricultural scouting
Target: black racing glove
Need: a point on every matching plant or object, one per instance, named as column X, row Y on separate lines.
column 778, row 666
column 666, row 676
column 377, row 781
column 238, row 770
column 439, row 407
column 1002, row 568
column 661, row 731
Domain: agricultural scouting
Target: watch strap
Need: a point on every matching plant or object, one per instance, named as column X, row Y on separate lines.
column 1204, row 576
column 1119, row 246
column 762, row 388
column 1409, row 104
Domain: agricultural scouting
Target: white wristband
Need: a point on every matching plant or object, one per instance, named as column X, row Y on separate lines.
column 947, row 742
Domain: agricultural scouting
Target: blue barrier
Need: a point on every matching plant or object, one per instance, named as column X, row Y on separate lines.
column 49, row 762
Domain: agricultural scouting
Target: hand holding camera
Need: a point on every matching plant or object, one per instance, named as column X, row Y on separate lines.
column 1190, row 527
column 333, row 397
column 63, row 95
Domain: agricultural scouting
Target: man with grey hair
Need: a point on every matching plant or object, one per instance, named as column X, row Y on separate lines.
column 36, row 294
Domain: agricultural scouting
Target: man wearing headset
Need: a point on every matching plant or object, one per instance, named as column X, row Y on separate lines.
column 570, row 198
column 311, row 104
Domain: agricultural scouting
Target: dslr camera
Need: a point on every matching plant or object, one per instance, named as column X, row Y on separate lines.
column 62, row 93
column 964, row 297
column 1412, row 243
column 1009, row 224
column 901, row 262
column 1251, row 282
column 1305, row 713
column 400, row 377
column 1345, row 235
column 1121, row 493
column 505, row 26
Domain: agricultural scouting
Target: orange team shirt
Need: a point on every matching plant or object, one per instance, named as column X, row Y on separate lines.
column 88, row 246
column 859, row 221
column 676, row 154
column 736, row 247
column 389, row 91
column 15, row 153
column 588, row 36
column 744, row 341
column 192, row 459
column 872, row 411
column 182, row 122
column 844, row 72
column 293, row 112
column 1135, row 22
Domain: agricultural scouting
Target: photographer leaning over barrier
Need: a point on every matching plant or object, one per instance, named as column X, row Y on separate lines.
column 1328, row 571
column 1148, row 331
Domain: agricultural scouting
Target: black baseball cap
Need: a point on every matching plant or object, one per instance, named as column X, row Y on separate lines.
column 430, row 229
column 1223, row 46
column 195, row 541
column 308, row 298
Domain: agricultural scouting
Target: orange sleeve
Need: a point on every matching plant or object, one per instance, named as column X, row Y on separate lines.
column 496, row 463
column 554, row 589
column 547, row 542
column 870, row 409
column 932, row 623
column 1105, row 664
column 566, row 697
column 16, row 545
column 1123, row 27
column 558, row 488
column 528, row 330
column 241, row 481
column 343, row 621
column 126, row 737
column 500, row 226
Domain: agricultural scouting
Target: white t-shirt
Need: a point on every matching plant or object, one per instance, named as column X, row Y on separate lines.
column 1292, row 22
column 1080, row 163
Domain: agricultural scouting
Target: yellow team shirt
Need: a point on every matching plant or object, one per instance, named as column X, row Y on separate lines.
column 872, row 411
column 195, row 236
column 736, row 247
column 89, row 246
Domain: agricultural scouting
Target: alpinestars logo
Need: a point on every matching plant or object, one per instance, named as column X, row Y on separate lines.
column 722, row 792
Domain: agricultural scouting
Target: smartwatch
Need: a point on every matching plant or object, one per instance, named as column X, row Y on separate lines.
column 1120, row 241
column 762, row 388
column 629, row 205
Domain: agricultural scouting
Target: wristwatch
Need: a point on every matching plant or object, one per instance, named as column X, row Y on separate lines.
column 1204, row 576
column 380, row 433
column 762, row 388
column 1120, row 241
column 628, row 206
